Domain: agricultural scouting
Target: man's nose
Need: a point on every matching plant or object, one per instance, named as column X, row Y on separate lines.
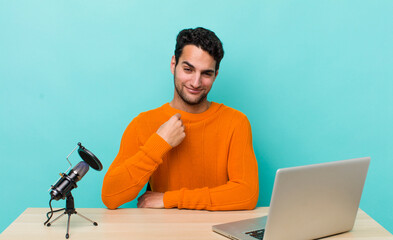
column 196, row 81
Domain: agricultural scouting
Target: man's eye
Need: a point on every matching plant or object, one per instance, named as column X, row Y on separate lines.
column 208, row 74
column 187, row 69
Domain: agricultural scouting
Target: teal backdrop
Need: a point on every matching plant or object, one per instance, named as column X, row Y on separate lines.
column 313, row 77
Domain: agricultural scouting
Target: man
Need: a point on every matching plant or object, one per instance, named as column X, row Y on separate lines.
column 202, row 157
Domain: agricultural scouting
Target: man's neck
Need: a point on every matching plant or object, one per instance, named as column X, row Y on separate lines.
column 197, row 108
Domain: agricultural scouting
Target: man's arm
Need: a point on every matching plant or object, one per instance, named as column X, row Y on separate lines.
column 134, row 164
column 240, row 192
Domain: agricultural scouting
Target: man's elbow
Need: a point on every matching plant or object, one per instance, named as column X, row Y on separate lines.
column 108, row 198
column 245, row 198
column 250, row 197
column 109, row 202
column 250, row 202
column 113, row 200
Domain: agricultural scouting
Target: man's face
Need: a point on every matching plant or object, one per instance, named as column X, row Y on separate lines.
column 194, row 74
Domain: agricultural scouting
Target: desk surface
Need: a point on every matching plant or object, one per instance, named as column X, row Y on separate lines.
column 136, row 223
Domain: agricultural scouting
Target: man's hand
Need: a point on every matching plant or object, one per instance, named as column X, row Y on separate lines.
column 172, row 131
column 151, row 200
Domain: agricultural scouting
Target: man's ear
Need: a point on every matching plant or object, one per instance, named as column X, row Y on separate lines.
column 173, row 64
column 217, row 72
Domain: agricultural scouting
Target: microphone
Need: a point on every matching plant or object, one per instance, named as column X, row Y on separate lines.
column 63, row 187
column 67, row 182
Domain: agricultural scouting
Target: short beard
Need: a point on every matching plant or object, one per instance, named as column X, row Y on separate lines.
column 183, row 96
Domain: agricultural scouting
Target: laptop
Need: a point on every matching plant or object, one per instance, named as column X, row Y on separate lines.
column 308, row 202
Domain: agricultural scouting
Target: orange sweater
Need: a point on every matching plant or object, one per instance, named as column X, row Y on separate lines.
column 214, row 168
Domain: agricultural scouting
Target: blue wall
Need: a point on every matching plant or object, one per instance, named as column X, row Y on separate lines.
column 314, row 78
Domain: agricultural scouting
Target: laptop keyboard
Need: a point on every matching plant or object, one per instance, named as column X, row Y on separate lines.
column 258, row 234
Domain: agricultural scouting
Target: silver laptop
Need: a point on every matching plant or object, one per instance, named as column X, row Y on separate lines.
column 308, row 202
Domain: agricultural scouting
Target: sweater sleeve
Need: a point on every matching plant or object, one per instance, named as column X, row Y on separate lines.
column 132, row 167
column 242, row 189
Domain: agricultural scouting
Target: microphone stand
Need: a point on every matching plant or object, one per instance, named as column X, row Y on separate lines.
column 69, row 210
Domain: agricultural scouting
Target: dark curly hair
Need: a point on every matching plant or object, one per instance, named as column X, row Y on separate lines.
column 200, row 37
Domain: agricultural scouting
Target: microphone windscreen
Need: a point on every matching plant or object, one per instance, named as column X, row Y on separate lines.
column 81, row 169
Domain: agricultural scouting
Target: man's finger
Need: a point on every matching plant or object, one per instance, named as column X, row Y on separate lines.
column 175, row 118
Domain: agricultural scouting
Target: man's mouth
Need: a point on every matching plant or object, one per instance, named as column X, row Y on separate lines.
column 193, row 90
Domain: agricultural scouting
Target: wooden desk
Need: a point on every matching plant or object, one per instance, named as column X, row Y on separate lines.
column 145, row 224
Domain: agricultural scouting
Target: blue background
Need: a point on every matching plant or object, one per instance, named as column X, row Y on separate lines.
column 313, row 77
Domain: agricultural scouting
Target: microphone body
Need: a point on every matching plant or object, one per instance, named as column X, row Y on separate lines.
column 67, row 182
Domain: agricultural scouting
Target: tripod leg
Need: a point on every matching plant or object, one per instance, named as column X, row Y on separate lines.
column 68, row 226
column 80, row 215
column 50, row 223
